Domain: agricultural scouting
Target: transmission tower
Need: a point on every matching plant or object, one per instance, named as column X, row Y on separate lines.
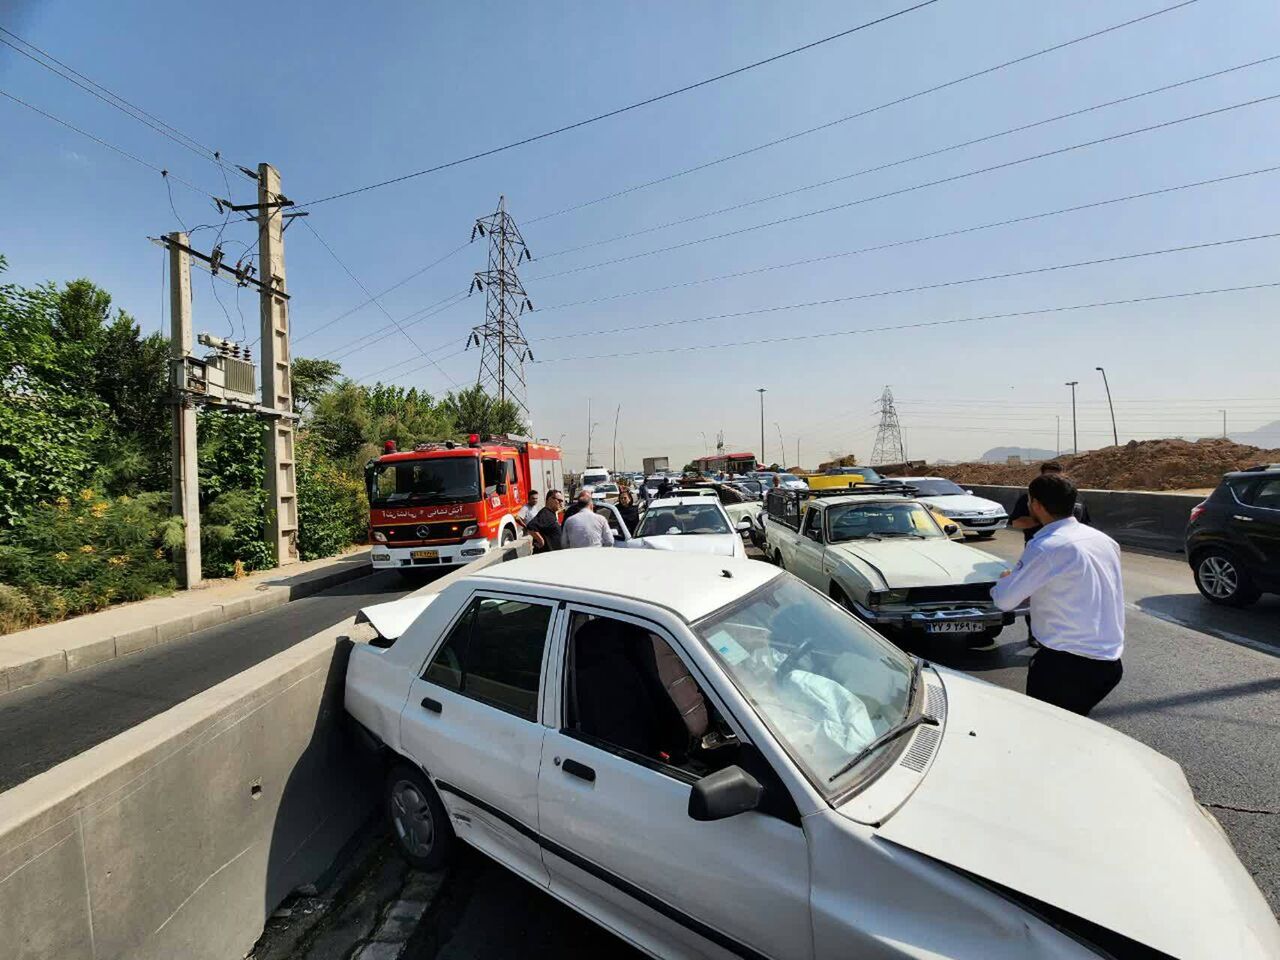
column 503, row 348
column 888, row 448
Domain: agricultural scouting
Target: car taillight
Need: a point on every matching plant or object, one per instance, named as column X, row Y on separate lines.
column 1198, row 509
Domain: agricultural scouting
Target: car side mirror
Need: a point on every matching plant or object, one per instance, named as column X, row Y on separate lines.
column 813, row 533
column 969, row 492
column 723, row 794
column 744, row 525
column 951, row 529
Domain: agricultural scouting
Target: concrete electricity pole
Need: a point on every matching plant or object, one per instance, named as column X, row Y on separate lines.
column 1115, row 437
column 1224, row 423
column 1075, row 438
column 761, row 391
column 186, row 471
column 280, row 480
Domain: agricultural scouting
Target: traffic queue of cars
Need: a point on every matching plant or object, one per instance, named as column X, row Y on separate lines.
column 710, row 758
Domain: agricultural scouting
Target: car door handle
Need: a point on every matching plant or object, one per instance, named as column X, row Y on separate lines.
column 579, row 770
column 1236, row 516
column 435, row 706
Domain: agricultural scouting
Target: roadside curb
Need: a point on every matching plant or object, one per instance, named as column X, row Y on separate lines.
column 63, row 648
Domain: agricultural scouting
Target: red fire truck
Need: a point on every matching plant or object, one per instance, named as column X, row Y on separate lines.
column 441, row 504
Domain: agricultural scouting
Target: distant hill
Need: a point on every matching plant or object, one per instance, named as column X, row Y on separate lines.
column 1002, row 454
column 1267, row 436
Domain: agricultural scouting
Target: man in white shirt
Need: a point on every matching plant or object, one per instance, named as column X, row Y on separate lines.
column 1071, row 574
column 586, row 528
column 530, row 509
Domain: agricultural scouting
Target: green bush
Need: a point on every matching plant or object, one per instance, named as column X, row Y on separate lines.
column 231, row 529
column 333, row 510
column 17, row 610
column 83, row 552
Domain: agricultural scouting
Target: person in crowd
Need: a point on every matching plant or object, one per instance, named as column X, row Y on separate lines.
column 1020, row 518
column 664, row 488
column 530, row 509
column 586, row 528
column 1071, row 574
column 628, row 510
column 583, row 499
column 545, row 528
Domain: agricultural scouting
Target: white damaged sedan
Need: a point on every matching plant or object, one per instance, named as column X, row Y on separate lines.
column 711, row 759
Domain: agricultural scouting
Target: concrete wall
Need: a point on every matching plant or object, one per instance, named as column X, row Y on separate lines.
column 1153, row 520
column 179, row 837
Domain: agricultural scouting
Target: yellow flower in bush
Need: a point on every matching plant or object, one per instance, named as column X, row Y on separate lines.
column 62, row 503
column 159, row 554
column 100, row 508
column 61, row 557
column 124, row 498
column 86, row 494
column 87, row 548
column 118, row 560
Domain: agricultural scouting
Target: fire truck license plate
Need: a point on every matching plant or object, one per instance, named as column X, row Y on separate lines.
column 424, row 554
column 954, row 626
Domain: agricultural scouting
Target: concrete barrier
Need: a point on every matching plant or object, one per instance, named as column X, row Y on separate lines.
column 179, row 837
column 1156, row 521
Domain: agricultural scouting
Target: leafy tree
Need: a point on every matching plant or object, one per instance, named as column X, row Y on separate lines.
column 311, row 380
column 474, row 411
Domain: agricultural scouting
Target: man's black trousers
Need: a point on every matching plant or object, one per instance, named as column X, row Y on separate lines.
column 1070, row 681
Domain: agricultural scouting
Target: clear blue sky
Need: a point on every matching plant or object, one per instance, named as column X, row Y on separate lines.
column 348, row 95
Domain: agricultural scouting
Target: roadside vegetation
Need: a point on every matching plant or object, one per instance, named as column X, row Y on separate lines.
column 85, row 456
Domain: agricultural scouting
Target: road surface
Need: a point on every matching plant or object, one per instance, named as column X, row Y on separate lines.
column 49, row 722
column 1201, row 684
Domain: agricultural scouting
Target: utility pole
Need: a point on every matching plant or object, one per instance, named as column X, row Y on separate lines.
column 1057, row 442
column 781, row 445
column 797, row 452
column 503, row 347
column 1075, row 437
column 1115, row 437
column 280, row 479
column 1224, row 423
column 186, row 470
column 615, row 438
column 590, row 429
column 761, row 391
column 889, row 447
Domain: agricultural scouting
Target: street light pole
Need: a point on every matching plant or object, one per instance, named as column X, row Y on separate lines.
column 761, row 391
column 1075, row 437
column 1224, row 423
column 1115, row 437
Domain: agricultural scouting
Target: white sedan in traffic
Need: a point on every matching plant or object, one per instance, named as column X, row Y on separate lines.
column 976, row 516
column 711, row 759
column 690, row 522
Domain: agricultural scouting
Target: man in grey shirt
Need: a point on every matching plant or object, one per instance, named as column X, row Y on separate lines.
column 586, row 528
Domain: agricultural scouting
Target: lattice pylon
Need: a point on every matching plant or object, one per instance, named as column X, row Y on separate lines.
column 503, row 347
column 889, row 447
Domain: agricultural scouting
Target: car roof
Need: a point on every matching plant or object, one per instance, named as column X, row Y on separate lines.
column 689, row 498
column 691, row 584
column 862, row 498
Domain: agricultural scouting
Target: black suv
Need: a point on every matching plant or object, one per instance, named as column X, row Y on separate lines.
column 1233, row 538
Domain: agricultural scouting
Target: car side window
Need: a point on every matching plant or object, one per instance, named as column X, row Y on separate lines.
column 813, row 524
column 494, row 654
column 628, row 692
column 1266, row 494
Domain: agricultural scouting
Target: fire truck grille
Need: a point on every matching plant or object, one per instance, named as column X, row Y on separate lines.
column 417, row 533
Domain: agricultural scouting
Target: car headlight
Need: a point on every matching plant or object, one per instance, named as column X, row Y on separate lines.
column 945, row 511
column 470, row 530
column 880, row 597
column 379, row 537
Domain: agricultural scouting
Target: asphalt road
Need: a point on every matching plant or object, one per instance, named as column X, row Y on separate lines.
column 1201, row 685
column 46, row 723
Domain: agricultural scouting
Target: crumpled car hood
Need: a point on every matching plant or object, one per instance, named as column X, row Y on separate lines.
column 1074, row 814
column 718, row 544
column 924, row 563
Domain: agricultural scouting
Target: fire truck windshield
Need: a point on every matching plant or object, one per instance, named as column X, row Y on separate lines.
column 434, row 480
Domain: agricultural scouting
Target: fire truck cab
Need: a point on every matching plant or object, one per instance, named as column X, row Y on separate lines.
column 444, row 504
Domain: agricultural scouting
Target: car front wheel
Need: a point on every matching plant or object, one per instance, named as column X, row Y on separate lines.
column 1220, row 579
column 419, row 822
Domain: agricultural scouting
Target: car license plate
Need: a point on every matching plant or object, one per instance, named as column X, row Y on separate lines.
column 424, row 554
column 954, row 626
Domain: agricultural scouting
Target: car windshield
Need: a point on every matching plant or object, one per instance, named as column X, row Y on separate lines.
column 822, row 681
column 606, row 488
column 682, row 518
column 935, row 488
column 868, row 475
column 437, row 480
column 857, row 521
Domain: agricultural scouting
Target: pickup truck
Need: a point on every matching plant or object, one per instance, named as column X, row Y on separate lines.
column 881, row 553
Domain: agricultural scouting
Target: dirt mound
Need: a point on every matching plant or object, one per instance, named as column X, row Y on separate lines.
column 1136, row 465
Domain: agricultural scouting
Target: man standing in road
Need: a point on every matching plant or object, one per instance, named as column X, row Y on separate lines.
column 545, row 526
column 530, row 509
column 586, row 528
column 1071, row 574
column 1020, row 517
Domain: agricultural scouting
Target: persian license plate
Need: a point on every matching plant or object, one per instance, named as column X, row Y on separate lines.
column 955, row 626
column 424, row 554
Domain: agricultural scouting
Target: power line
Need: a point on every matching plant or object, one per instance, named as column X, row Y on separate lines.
column 869, row 110
column 1044, row 311
column 395, row 286
column 960, row 231
column 110, row 146
column 1119, row 258
column 905, row 160
column 629, row 107
column 112, row 99
column 360, row 284
column 353, row 347
column 914, row 187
